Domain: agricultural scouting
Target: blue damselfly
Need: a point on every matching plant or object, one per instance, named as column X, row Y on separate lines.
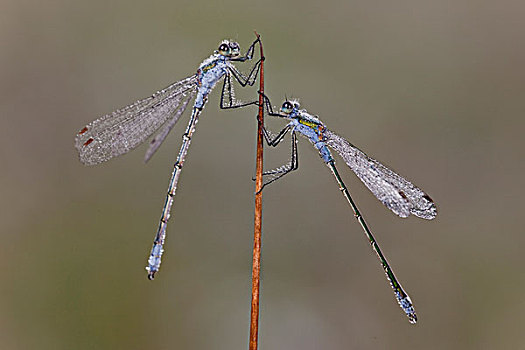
column 395, row 192
column 121, row 131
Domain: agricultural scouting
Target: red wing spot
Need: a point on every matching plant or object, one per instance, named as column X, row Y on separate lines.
column 83, row 130
column 88, row 141
column 402, row 194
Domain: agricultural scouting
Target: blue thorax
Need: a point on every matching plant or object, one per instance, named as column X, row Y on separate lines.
column 313, row 129
column 210, row 71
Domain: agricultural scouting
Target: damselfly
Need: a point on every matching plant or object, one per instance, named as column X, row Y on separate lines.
column 395, row 192
column 121, row 131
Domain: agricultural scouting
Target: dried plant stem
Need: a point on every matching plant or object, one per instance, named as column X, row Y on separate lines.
column 256, row 261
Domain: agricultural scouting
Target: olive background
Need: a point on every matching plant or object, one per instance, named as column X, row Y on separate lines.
column 434, row 89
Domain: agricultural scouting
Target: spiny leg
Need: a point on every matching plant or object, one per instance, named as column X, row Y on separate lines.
column 252, row 76
column 278, row 138
column 274, row 140
column 228, row 100
column 293, row 165
column 402, row 297
column 154, row 260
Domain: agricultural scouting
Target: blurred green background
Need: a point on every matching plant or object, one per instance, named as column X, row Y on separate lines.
column 434, row 89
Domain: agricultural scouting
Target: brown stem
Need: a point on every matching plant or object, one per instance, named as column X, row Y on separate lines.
column 256, row 261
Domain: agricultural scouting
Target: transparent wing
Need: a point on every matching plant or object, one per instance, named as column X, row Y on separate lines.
column 161, row 136
column 121, row 131
column 395, row 192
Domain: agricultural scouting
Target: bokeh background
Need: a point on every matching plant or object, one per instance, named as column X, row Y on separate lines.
column 434, row 89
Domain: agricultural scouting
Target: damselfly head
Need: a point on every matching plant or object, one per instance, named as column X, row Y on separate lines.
column 229, row 49
column 288, row 106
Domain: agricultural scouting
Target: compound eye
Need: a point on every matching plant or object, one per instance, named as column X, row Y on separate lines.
column 287, row 107
column 235, row 46
column 224, row 49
